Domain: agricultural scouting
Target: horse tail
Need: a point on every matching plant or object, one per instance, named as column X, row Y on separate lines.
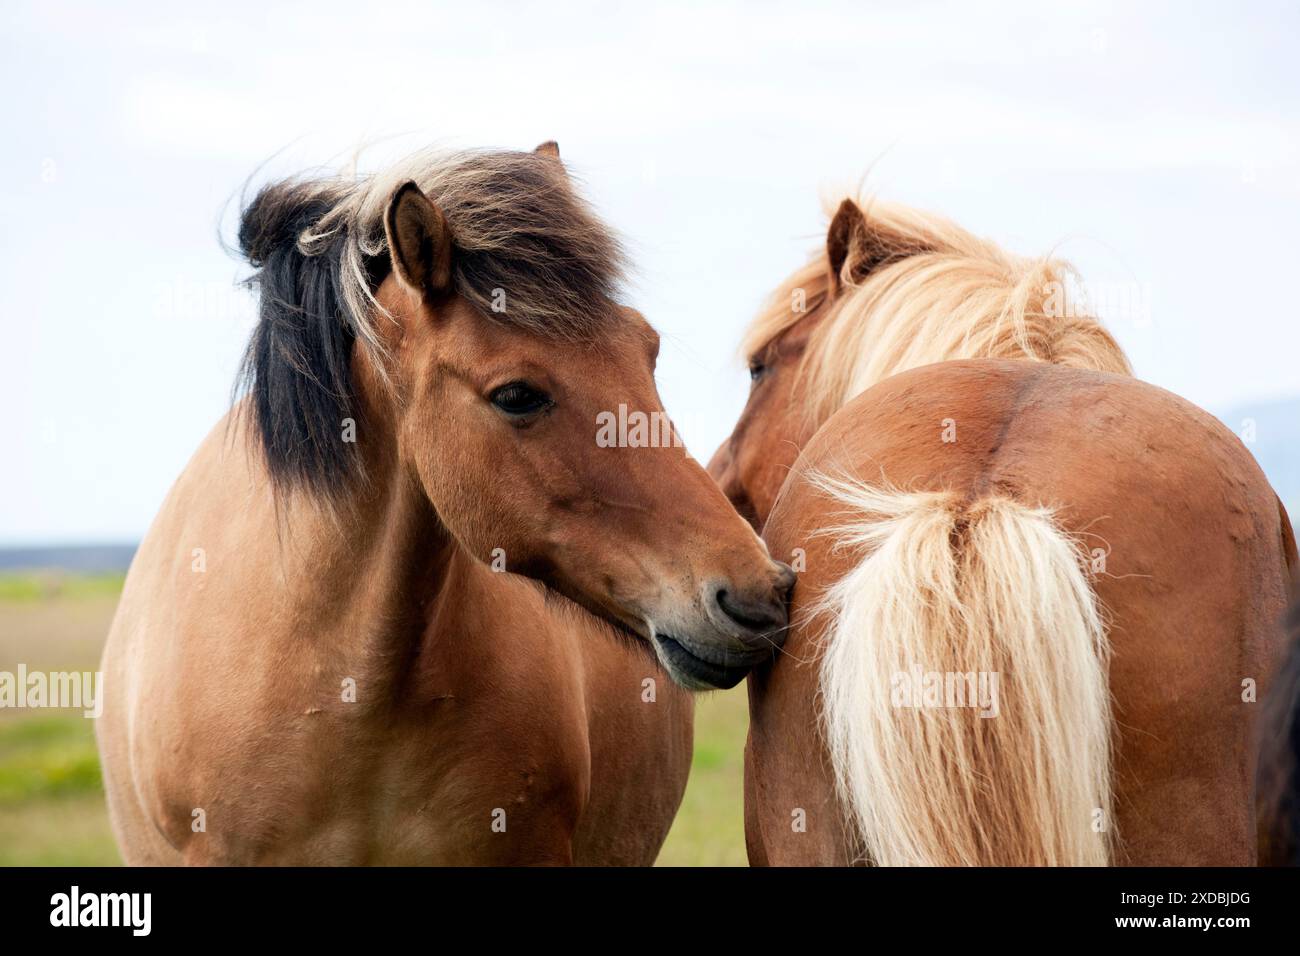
column 965, row 694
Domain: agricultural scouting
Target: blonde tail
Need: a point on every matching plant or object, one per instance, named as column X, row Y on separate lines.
column 964, row 680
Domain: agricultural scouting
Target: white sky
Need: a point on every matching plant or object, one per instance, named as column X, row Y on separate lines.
column 1159, row 149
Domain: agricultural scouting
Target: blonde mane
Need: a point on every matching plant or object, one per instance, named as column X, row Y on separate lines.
column 939, row 294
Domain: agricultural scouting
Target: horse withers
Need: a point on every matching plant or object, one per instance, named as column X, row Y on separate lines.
column 1037, row 603
column 402, row 607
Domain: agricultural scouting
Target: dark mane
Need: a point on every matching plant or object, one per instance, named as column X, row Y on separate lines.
column 296, row 368
column 528, row 252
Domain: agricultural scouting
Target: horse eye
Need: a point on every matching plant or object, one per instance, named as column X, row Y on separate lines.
column 519, row 399
column 756, row 370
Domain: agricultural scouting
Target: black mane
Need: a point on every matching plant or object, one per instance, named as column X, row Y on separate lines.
column 319, row 252
column 297, row 368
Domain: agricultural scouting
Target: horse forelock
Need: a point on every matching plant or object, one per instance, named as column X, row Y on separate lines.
column 528, row 252
column 951, row 295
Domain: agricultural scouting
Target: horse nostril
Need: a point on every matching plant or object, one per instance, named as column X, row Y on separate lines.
column 752, row 616
column 785, row 578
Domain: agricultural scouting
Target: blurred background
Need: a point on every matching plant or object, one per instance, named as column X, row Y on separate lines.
column 1157, row 149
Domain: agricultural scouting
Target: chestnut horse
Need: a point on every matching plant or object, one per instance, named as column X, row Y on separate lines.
column 402, row 607
column 1038, row 599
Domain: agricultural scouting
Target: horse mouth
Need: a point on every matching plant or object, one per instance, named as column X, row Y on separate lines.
column 696, row 673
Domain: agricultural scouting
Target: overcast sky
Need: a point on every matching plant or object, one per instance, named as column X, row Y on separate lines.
column 1159, row 150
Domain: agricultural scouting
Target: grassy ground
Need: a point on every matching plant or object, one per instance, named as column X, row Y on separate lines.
column 51, row 802
column 52, row 806
column 710, row 826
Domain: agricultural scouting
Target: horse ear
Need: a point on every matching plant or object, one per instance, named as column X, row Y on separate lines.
column 549, row 149
column 419, row 241
column 848, row 228
column 856, row 246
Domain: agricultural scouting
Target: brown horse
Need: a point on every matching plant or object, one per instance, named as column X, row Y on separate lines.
column 400, row 606
column 1038, row 598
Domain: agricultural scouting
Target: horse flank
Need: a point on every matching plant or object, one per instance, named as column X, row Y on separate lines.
column 1278, row 775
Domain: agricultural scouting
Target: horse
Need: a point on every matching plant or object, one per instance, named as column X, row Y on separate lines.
column 1037, row 598
column 402, row 607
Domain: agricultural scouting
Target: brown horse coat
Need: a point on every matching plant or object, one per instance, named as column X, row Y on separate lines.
column 487, row 696
column 1193, row 586
column 343, row 640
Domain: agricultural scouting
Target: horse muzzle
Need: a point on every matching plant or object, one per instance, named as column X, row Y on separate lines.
column 742, row 631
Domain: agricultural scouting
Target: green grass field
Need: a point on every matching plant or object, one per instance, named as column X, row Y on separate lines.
column 52, row 805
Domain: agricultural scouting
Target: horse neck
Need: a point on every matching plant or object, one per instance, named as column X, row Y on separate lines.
column 364, row 573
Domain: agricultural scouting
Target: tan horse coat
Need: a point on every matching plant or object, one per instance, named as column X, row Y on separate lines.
column 344, row 639
column 488, row 695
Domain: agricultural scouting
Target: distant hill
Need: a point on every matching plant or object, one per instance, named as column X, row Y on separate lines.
column 79, row 559
column 1272, row 432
